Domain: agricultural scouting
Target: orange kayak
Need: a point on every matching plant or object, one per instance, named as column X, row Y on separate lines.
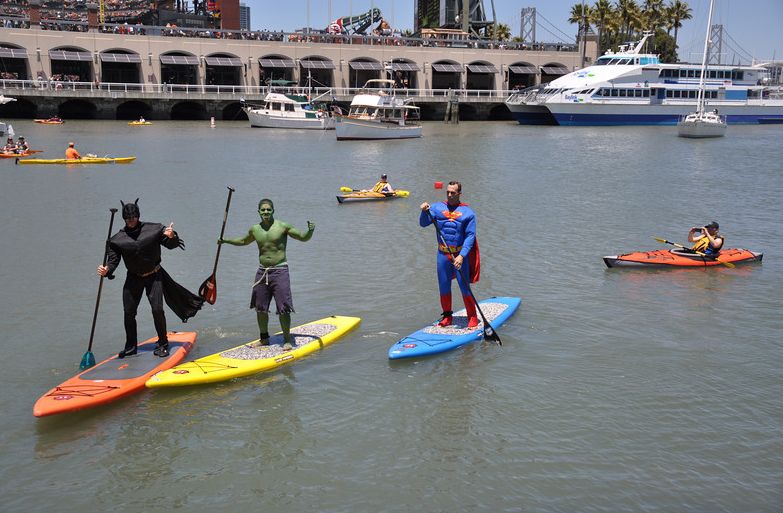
column 114, row 379
column 15, row 155
column 48, row 122
column 681, row 258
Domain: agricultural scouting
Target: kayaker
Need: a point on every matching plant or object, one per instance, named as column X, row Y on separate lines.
column 272, row 279
column 706, row 239
column 141, row 119
column 456, row 222
column 383, row 186
column 10, row 146
column 71, row 153
column 22, row 146
column 138, row 244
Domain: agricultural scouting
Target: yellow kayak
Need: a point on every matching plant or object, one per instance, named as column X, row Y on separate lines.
column 83, row 160
column 245, row 360
column 139, row 123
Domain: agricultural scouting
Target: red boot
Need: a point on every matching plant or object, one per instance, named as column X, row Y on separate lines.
column 470, row 309
column 446, row 316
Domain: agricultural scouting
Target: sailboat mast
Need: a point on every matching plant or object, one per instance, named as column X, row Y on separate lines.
column 700, row 96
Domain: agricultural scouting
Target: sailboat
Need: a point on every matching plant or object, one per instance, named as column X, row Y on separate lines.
column 702, row 124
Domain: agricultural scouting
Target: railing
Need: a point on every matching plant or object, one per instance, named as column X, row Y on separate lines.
column 103, row 89
column 287, row 37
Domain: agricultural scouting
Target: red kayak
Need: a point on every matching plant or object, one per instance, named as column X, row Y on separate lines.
column 681, row 258
column 114, row 378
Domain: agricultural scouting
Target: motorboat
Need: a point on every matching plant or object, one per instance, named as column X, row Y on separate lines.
column 376, row 113
column 702, row 124
column 291, row 110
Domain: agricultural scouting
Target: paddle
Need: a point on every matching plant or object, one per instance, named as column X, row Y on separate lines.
column 88, row 360
column 208, row 289
column 489, row 332
column 664, row 241
column 399, row 192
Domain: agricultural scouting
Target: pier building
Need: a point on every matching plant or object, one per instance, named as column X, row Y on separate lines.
column 108, row 71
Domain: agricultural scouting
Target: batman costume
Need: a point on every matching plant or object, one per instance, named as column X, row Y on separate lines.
column 138, row 244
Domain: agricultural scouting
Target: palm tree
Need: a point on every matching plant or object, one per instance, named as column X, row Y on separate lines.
column 601, row 12
column 580, row 13
column 627, row 10
column 677, row 12
column 654, row 11
column 503, row 32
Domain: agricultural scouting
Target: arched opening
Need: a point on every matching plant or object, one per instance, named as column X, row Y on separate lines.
column 446, row 75
column 133, row 109
column 233, row 112
column 179, row 68
column 405, row 74
column 480, row 76
column 551, row 71
column 362, row 70
column 71, row 64
column 223, row 69
column 21, row 108
column 188, row 111
column 521, row 75
column 275, row 67
column 77, row 109
column 467, row 112
column 317, row 69
column 13, row 63
column 120, row 67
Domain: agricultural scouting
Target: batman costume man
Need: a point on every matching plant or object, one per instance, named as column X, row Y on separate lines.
column 138, row 244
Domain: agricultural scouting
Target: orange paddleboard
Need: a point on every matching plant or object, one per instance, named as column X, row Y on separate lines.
column 114, row 378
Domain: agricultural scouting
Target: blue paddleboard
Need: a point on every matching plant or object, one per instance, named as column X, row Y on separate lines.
column 433, row 339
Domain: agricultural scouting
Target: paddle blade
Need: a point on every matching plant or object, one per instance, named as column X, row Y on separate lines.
column 491, row 334
column 208, row 290
column 403, row 194
column 88, row 360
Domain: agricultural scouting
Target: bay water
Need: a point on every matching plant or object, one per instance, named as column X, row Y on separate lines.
column 614, row 390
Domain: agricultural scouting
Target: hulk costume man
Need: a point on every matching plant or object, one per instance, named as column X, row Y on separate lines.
column 272, row 279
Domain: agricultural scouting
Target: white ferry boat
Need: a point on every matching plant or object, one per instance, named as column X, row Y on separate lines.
column 634, row 88
column 289, row 111
column 377, row 114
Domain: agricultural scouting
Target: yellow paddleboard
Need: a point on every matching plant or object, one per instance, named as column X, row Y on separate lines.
column 245, row 360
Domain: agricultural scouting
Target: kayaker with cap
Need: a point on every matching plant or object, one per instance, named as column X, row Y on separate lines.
column 10, row 146
column 456, row 223
column 706, row 239
column 383, row 186
column 138, row 244
column 272, row 279
column 71, row 153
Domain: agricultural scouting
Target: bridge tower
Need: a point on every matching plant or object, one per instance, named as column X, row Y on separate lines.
column 716, row 44
column 527, row 25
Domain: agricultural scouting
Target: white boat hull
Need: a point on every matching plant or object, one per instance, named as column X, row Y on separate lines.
column 700, row 129
column 349, row 128
column 262, row 119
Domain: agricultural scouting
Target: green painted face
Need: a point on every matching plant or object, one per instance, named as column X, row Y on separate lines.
column 265, row 211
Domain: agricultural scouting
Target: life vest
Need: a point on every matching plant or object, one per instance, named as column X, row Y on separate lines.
column 380, row 186
column 703, row 246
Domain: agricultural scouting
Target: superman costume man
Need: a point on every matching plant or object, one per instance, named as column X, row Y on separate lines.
column 458, row 253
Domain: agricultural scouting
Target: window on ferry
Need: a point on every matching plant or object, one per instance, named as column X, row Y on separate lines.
column 669, row 93
column 615, row 92
column 276, row 106
column 289, row 107
column 397, row 113
column 637, row 93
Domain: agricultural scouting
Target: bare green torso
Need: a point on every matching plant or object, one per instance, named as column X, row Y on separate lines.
column 271, row 242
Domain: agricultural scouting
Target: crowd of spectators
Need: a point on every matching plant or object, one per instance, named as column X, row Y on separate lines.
column 123, row 17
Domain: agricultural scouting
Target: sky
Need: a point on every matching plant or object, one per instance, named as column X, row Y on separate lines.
column 755, row 25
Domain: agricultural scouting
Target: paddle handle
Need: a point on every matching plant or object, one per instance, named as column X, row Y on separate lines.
column 223, row 228
column 100, row 282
